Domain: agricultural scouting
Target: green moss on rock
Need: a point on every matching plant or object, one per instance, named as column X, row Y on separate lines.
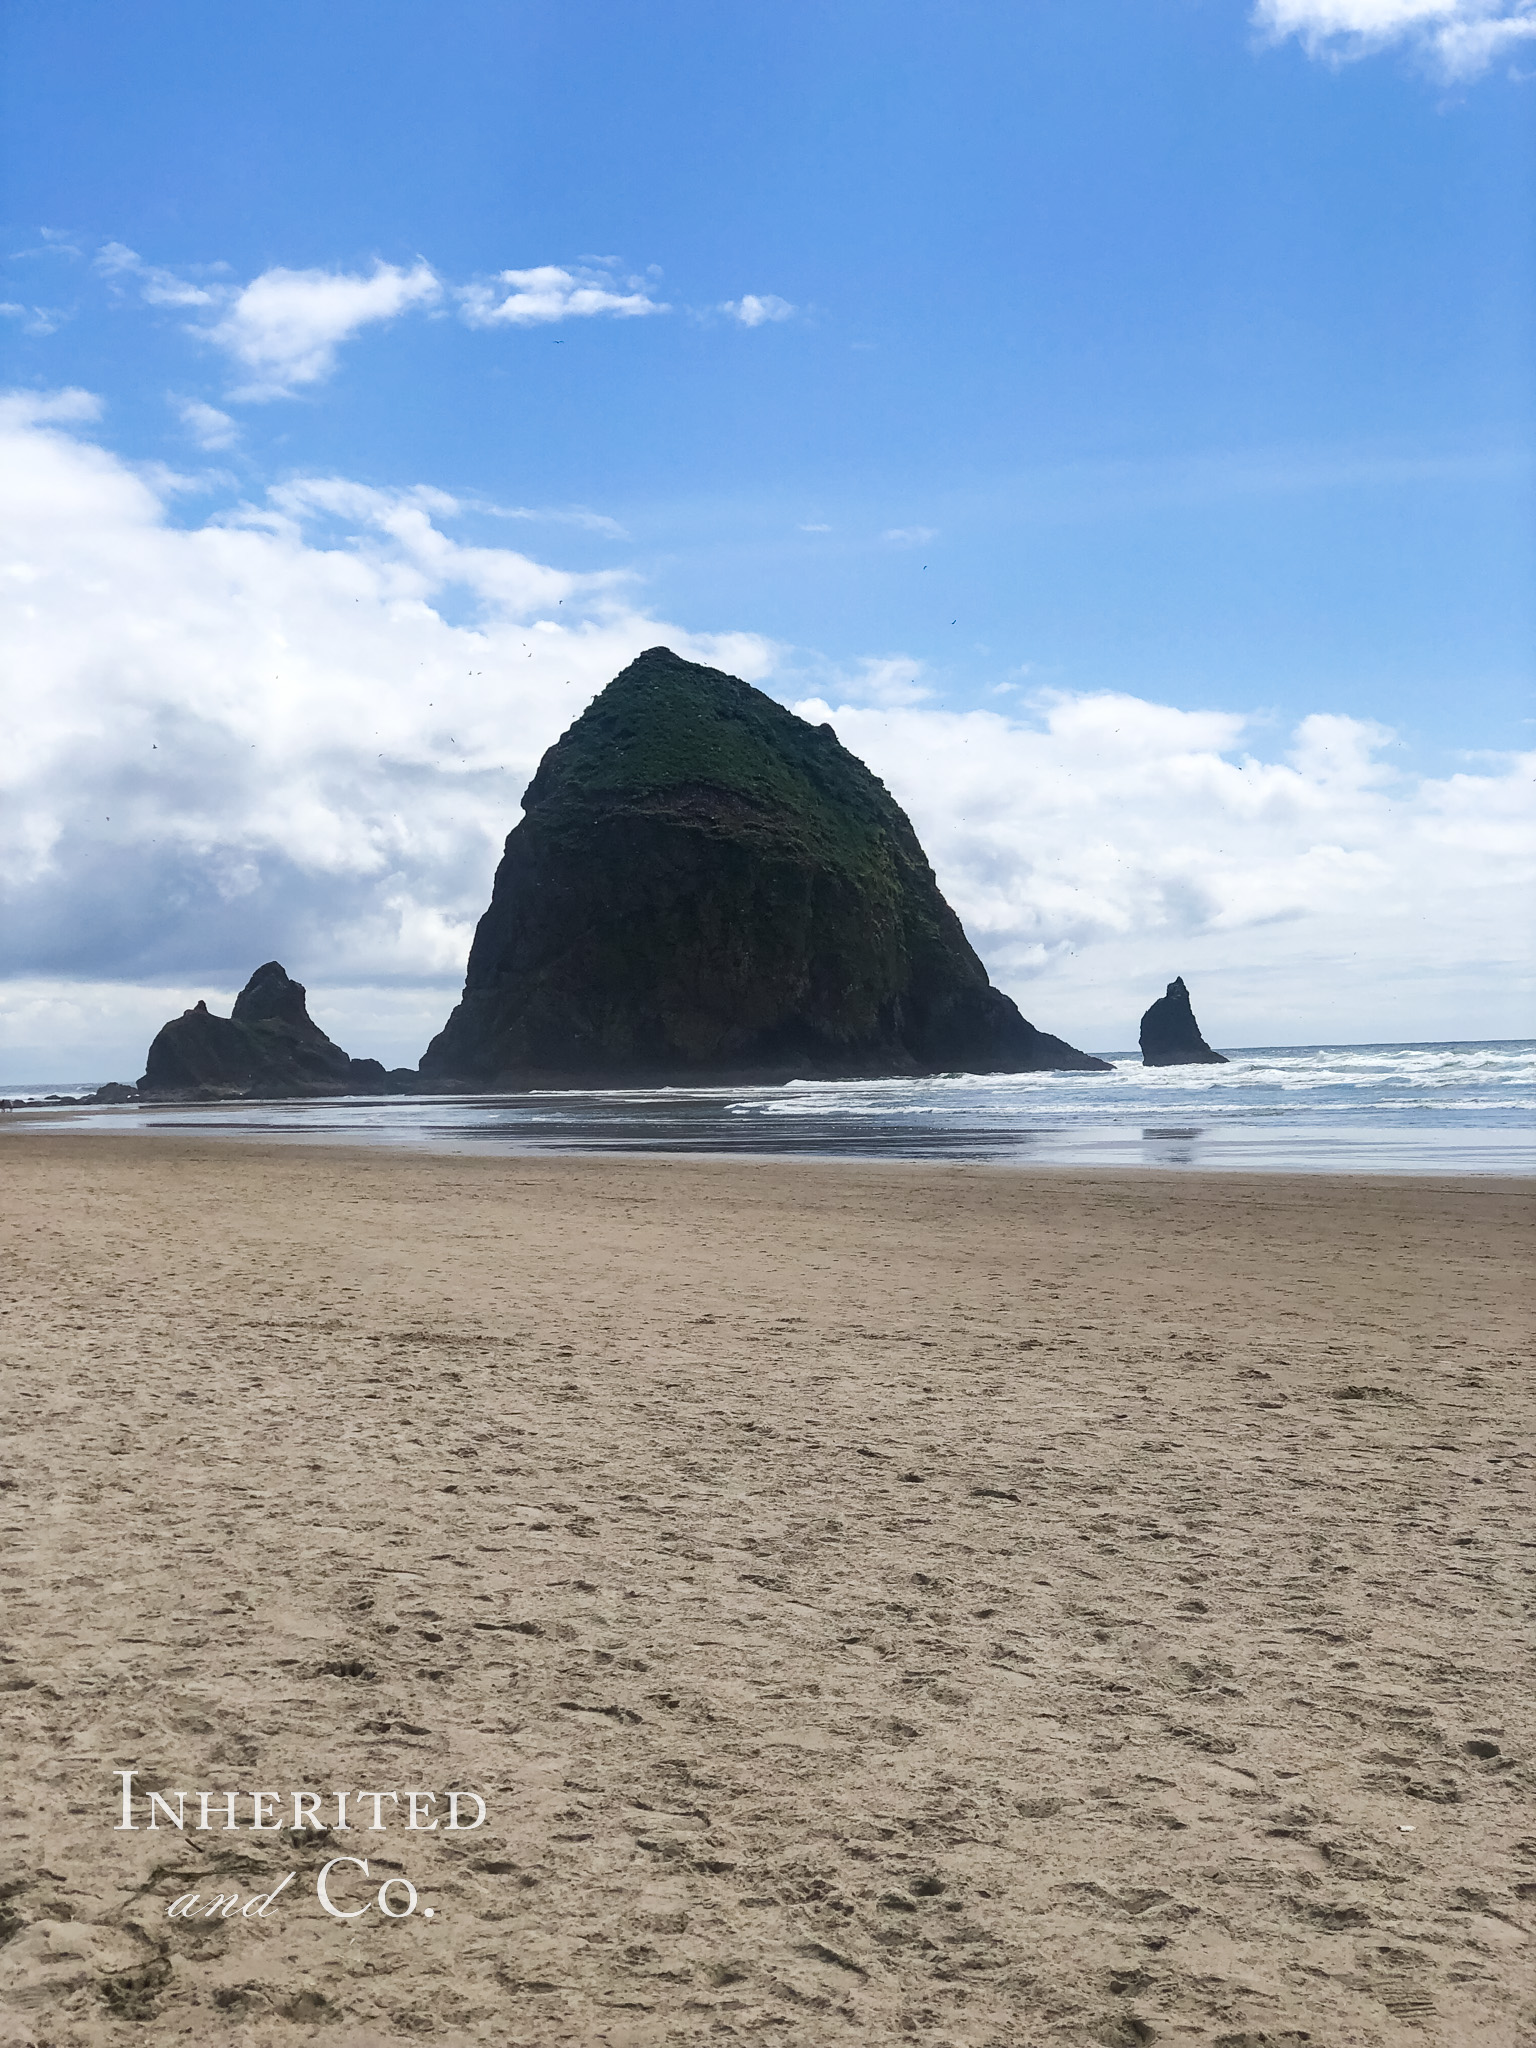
column 707, row 887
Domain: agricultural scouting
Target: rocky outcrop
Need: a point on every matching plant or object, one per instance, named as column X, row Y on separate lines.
column 269, row 1047
column 705, row 887
column 1170, row 1037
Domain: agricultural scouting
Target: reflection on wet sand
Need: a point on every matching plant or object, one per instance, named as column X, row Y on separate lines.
column 1174, row 1147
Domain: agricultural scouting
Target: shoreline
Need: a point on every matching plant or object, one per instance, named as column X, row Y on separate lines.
column 1226, row 1150
column 1450, row 1110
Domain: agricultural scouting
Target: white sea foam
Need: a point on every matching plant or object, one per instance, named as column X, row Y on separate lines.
column 1490, row 1080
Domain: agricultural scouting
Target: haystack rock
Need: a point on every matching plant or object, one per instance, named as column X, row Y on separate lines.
column 270, row 1046
column 1170, row 1037
column 706, row 888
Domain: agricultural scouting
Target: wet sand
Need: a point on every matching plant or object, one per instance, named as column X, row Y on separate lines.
column 886, row 1604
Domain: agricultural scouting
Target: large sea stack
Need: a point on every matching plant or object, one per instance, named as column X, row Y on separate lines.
column 269, row 1047
column 705, row 887
column 1170, row 1037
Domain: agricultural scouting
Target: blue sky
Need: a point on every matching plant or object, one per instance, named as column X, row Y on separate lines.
column 973, row 360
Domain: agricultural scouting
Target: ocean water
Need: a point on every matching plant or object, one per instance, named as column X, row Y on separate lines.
column 1468, row 1107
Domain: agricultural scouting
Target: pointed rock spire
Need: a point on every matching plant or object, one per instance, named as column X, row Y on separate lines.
column 1170, row 1037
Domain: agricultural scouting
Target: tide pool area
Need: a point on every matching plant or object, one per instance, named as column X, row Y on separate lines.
column 1462, row 1108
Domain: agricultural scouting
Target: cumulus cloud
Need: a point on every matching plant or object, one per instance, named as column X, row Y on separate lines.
column 1106, row 843
column 755, row 309
column 535, row 298
column 285, row 326
column 302, row 731
column 69, row 406
column 208, row 427
column 284, row 329
column 909, row 536
column 874, row 679
column 1461, row 37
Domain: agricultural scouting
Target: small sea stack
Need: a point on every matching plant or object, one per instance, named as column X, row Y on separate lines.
column 707, row 888
column 1170, row 1037
column 270, row 1047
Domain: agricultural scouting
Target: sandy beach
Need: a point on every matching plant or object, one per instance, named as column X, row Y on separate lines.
column 925, row 1604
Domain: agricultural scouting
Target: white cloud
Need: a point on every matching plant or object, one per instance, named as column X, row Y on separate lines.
column 157, row 287
column 534, row 298
column 875, row 679
column 561, row 515
column 1110, row 843
column 54, row 242
column 756, row 309
column 303, row 732
column 208, row 427
column 38, row 320
column 285, row 326
column 69, row 407
column 909, row 536
column 1462, row 37
column 166, row 482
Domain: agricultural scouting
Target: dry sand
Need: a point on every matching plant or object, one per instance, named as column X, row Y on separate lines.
column 878, row 1604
